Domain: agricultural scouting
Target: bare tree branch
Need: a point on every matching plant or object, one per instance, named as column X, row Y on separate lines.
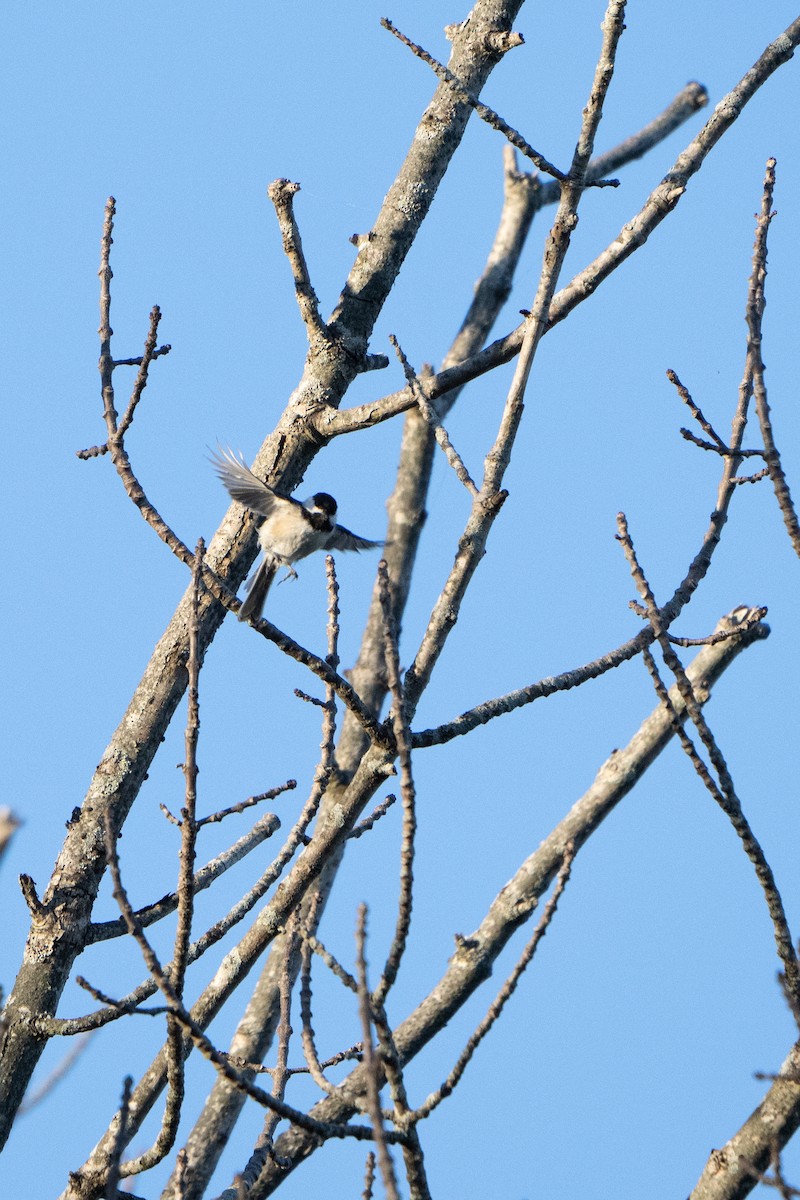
column 725, row 1175
column 282, row 193
column 482, row 110
column 755, row 313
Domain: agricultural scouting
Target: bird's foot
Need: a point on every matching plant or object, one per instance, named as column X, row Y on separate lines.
column 290, row 574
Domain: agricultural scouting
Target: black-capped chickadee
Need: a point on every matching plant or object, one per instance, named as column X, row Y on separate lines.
column 290, row 530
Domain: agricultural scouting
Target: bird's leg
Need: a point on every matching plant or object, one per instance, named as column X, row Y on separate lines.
column 290, row 573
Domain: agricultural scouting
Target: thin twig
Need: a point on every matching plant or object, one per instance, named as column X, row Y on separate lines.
column 120, row 1141
column 34, row 1098
column 440, row 433
column 137, row 362
column 27, row 886
column 264, row 828
column 165, row 1138
column 505, row 993
column 407, row 792
column 725, row 795
column 723, row 450
column 123, row 1007
column 307, row 699
column 107, row 363
column 243, row 805
column 282, row 192
column 755, row 313
column 413, row 1157
column 263, row 1151
column 353, row 1053
column 371, row 1065
column 488, row 710
column 379, row 811
column 322, row 669
column 756, row 478
column 188, row 852
column 312, row 942
column 314, row 1066
column 369, row 1177
column 696, row 412
column 754, row 615
column 140, row 383
column 482, row 110
column 307, row 1033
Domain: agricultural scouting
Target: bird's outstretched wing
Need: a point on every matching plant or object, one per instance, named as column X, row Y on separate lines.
column 244, row 486
column 343, row 539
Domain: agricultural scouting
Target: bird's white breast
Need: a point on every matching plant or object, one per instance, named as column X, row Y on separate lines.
column 287, row 539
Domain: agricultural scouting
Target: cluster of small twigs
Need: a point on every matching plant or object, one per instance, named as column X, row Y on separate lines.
column 294, row 888
column 722, row 787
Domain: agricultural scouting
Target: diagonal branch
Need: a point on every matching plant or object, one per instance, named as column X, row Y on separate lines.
column 482, row 110
column 454, row 459
column 725, row 795
column 481, row 714
column 281, row 192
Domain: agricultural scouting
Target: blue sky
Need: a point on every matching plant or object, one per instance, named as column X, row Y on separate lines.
column 654, row 998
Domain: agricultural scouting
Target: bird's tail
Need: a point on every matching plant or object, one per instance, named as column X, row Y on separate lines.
column 257, row 588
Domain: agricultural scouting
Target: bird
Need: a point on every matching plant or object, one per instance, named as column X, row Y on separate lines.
column 291, row 530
